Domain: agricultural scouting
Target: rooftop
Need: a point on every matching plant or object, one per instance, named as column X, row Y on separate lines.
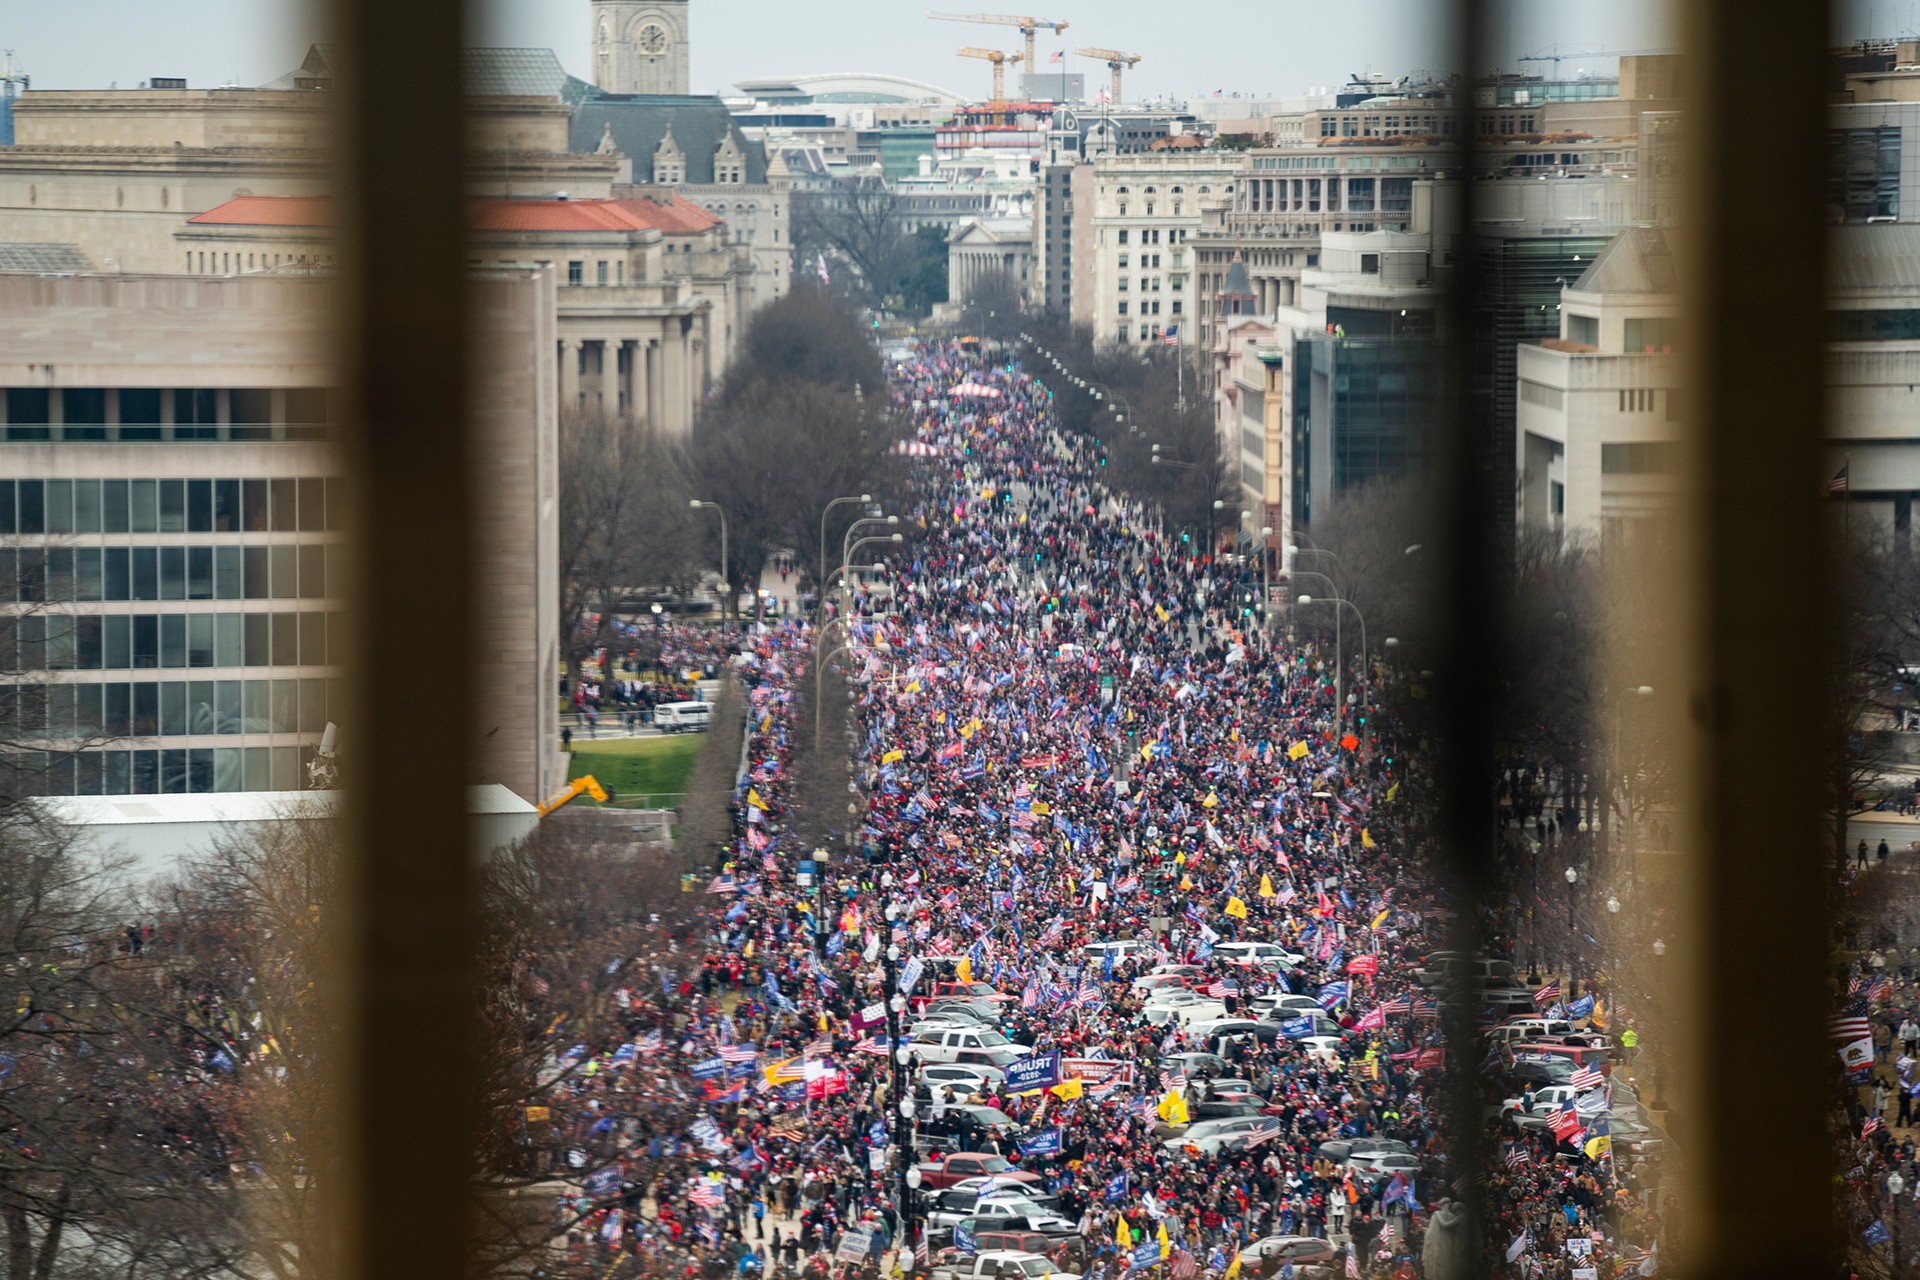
column 269, row 211
column 673, row 214
column 24, row 255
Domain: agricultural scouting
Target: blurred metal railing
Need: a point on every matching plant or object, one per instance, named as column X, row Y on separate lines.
column 407, row 1070
column 1757, row 1178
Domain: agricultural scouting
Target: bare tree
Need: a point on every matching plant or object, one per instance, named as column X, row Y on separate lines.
column 995, row 305
column 859, row 223
column 623, row 522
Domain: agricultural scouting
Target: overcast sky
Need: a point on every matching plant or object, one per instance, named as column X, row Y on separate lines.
column 1250, row 46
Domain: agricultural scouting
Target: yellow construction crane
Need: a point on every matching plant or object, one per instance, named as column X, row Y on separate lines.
column 586, row 782
column 999, row 61
column 1116, row 61
column 1027, row 26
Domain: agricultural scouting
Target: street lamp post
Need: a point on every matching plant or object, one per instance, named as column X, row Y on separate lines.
column 1266, row 588
column 1619, row 768
column 899, row 1054
column 847, row 539
column 1895, row 1185
column 862, row 498
column 697, row 505
column 1573, row 949
column 847, row 559
column 1339, row 659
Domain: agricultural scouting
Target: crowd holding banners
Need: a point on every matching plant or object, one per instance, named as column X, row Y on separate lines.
column 1065, row 740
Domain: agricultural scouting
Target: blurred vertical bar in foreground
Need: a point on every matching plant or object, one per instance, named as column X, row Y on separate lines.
column 408, row 928
column 1759, row 632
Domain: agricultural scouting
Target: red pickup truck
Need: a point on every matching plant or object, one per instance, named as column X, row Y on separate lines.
column 938, row 1175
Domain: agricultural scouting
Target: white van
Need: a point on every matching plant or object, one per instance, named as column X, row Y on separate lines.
column 683, row 717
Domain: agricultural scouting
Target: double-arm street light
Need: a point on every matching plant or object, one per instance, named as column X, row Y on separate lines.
column 848, row 539
column 697, row 505
column 1339, row 657
column 862, row 498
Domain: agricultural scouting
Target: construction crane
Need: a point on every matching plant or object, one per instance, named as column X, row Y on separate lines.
column 999, row 61
column 585, row 782
column 1027, row 26
column 1116, row 62
column 1556, row 56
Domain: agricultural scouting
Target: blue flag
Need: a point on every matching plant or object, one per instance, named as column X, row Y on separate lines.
column 1116, row 1188
column 1044, row 1143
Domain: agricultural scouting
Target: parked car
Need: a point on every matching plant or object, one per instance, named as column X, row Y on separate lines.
column 946, row 1045
column 940, row 1174
column 998, row 1265
column 999, row 1206
column 1068, row 1253
column 1340, row 1150
column 972, row 1078
column 1211, row 1137
column 1164, row 1007
column 1546, row 1100
column 1274, row 1252
column 1455, row 968
column 683, row 717
column 1195, row 1066
column 1258, row 955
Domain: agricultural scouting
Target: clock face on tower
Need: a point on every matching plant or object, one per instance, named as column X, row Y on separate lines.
column 653, row 39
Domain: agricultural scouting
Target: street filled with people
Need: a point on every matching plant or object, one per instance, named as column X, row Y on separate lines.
column 1134, row 949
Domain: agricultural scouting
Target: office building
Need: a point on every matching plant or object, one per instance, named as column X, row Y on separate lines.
column 171, row 511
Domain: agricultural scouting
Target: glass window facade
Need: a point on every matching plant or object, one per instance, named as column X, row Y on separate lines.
column 108, row 585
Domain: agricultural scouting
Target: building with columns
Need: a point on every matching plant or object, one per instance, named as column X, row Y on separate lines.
column 982, row 247
column 633, row 340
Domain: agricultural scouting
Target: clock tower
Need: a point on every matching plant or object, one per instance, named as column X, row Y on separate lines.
column 640, row 46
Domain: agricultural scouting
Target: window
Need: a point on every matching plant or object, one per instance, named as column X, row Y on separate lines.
column 1652, row 334
column 1369, row 264
column 575, row 273
column 1584, row 329
column 1638, row 400
column 1642, row 458
column 600, row 272
column 1539, row 393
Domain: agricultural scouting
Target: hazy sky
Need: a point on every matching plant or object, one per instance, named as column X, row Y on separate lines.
column 1258, row 46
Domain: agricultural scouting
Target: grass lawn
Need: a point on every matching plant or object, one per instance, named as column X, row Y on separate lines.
column 633, row 768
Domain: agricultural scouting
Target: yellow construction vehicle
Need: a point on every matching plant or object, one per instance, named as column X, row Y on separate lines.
column 586, row 783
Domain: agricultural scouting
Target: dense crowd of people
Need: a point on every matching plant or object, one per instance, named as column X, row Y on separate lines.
column 1067, row 736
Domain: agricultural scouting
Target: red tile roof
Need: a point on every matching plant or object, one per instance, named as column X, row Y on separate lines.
column 674, row 215
column 269, row 211
column 552, row 215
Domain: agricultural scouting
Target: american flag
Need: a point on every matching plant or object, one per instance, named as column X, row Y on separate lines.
column 1848, row 1030
column 1516, row 1156
column 652, row 1042
column 1088, row 996
column 1871, row 1127
column 1170, row 336
column 941, row 946
column 788, row 1127
column 707, row 1195
column 1547, row 994
column 1586, row 1078
column 1840, row 479
column 1853, row 983
column 1265, row 1133
column 1427, row 1009
column 1395, row 1006
column 1052, row 935
column 1353, row 1262
column 1221, row 987
column 737, row 1053
column 1175, row 1079
column 1882, row 989
column 1566, row 1121
column 1185, row 1265
column 820, row 1046
column 1057, row 57
column 1030, row 997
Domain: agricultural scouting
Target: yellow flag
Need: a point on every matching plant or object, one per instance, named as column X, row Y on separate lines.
column 1366, row 839
column 1041, row 808
column 1121, row 1235
column 1375, row 922
column 914, row 687
column 892, row 756
column 1161, row 612
column 1233, row 1268
column 1180, row 859
column 1597, row 1147
column 1166, row 1245
column 1146, row 752
column 1298, row 751
column 1212, row 800
column 749, row 950
column 1067, row 1090
column 966, row 731
column 785, row 1071
column 753, row 798
column 1236, row 908
column 1173, row 1107
column 963, row 972
column 1186, row 882
column 1392, row 789
column 1266, row 886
